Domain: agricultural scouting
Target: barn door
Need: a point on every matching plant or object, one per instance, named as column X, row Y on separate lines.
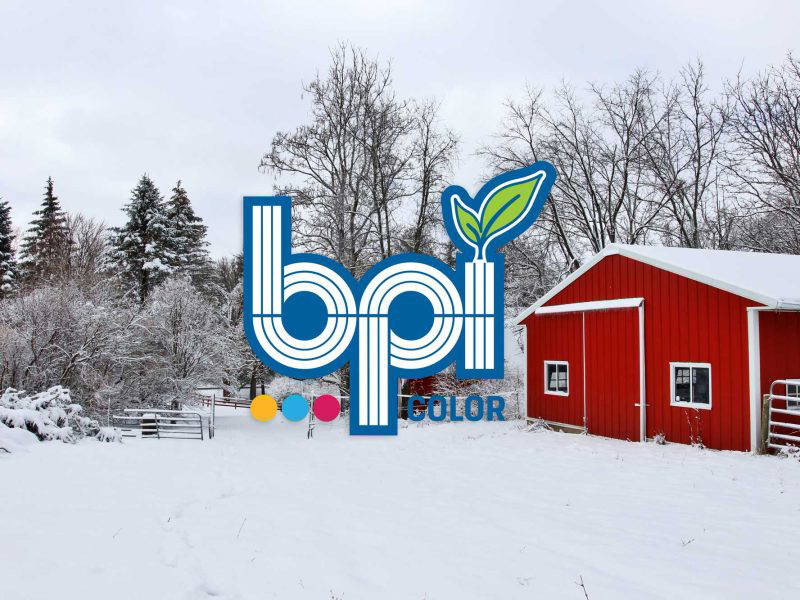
column 612, row 373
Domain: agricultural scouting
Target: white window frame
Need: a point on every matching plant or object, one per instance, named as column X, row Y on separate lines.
column 690, row 404
column 793, row 390
column 556, row 363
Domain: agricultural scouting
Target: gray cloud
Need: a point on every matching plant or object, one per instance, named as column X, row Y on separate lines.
column 96, row 93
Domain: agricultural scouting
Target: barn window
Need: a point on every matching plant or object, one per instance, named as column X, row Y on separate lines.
column 690, row 384
column 793, row 391
column 556, row 377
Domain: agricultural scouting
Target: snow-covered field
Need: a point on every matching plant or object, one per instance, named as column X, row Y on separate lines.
column 468, row 510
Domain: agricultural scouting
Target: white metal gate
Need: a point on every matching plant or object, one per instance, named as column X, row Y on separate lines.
column 783, row 431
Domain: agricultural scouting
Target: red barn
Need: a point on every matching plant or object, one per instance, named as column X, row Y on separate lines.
column 645, row 341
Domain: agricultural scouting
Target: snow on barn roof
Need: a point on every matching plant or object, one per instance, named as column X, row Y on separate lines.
column 771, row 279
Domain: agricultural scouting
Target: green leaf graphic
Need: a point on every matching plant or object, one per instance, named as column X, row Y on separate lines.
column 507, row 206
column 467, row 223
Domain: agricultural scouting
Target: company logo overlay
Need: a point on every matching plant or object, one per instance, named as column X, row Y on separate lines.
column 409, row 316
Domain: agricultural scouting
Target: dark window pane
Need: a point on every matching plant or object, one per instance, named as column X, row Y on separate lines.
column 702, row 385
column 552, row 378
column 557, row 378
column 682, row 385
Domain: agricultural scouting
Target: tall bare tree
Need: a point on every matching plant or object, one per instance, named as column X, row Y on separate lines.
column 601, row 194
column 433, row 151
column 766, row 135
column 326, row 159
column 364, row 169
column 686, row 153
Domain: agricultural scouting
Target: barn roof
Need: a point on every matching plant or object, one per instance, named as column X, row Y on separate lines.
column 771, row 279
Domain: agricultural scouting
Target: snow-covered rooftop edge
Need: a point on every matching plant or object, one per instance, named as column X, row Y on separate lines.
column 770, row 279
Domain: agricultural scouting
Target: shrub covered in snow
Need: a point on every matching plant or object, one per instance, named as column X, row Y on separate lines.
column 109, row 434
column 510, row 388
column 49, row 415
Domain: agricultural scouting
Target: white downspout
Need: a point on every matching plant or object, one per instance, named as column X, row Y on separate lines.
column 526, row 369
column 642, row 389
column 754, row 372
column 583, row 369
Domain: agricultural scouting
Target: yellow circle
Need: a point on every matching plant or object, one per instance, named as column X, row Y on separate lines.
column 263, row 408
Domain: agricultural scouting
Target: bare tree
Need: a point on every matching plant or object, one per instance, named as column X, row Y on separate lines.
column 600, row 152
column 686, row 154
column 87, row 244
column 326, row 158
column 433, row 153
column 383, row 129
column 364, row 170
column 766, row 134
column 600, row 195
column 525, row 137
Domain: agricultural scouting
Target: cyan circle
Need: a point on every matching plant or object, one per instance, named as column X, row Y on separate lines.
column 294, row 407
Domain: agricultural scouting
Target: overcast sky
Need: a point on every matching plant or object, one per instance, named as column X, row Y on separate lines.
column 96, row 93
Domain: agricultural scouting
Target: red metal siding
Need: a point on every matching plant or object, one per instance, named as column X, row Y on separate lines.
column 779, row 334
column 555, row 337
column 685, row 321
column 612, row 373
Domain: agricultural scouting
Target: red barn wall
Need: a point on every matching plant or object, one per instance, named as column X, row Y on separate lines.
column 556, row 337
column 779, row 336
column 612, row 373
column 685, row 321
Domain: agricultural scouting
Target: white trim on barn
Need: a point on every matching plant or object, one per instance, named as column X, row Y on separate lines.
column 691, row 404
column 555, row 363
column 525, row 380
column 642, row 374
column 754, row 375
column 590, row 306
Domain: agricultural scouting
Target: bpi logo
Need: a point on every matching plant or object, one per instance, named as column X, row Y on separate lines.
column 409, row 316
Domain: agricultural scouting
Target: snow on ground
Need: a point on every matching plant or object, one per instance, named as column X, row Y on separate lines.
column 468, row 510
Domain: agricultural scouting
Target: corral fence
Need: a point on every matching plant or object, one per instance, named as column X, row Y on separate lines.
column 212, row 401
column 780, row 418
column 150, row 423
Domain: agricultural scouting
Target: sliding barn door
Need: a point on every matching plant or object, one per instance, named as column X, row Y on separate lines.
column 612, row 373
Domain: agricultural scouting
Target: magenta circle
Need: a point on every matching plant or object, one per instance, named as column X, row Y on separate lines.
column 326, row 407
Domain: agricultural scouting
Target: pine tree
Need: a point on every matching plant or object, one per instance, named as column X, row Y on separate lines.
column 140, row 249
column 187, row 238
column 8, row 263
column 45, row 248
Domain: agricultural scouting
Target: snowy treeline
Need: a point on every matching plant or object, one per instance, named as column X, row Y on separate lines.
column 137, row 315
column 141, row 314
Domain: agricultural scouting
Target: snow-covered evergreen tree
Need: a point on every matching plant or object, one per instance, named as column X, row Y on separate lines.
column 8, row 263
column 46, row 245
column 187, row 237
column 140, row 249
